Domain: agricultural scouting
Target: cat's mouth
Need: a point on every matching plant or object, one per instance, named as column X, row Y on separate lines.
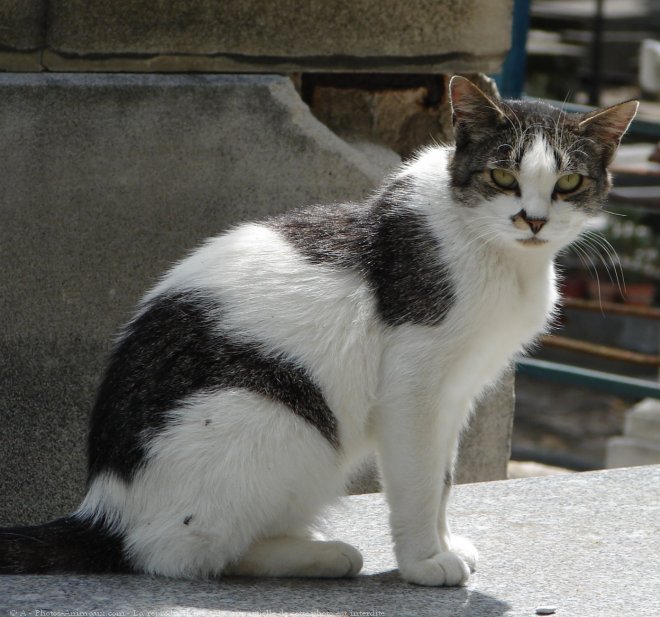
column 532, row 241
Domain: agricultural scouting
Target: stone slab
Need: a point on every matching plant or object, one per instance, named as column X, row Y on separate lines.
column 486, row 445
column 643, row 420
column 105, row 182
column 314, row 35
column 585, row 544
column 223, row 63
column 631, row 451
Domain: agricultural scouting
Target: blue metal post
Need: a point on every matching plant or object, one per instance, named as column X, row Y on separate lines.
column 511, row 81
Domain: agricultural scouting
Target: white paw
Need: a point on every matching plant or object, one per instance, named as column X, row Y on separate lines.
column 444, row 569
column 465, row 550
column 339, row 560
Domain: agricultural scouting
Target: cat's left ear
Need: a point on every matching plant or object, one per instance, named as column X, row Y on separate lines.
column 609, row 125
column 473, row 112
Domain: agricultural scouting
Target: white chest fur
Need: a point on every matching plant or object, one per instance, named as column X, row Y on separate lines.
column 502, row 303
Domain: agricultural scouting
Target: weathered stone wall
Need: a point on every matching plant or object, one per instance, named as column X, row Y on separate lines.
column 105, row 182
column 254, row 35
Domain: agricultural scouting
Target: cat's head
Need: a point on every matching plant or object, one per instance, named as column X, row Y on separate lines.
column 529, row 174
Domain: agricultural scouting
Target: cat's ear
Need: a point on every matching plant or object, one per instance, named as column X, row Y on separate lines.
column 608, row 126
column 472, row 111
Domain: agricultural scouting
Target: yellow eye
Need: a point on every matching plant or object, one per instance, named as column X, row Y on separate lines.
column 503, row 178
column 568, row 183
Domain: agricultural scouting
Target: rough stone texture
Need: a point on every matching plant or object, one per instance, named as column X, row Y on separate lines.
column 254, row 36
column 542, row 542
column 22, row 24
column 486, row 444
column 110, row 179
column 360, row 35
column 106, row 181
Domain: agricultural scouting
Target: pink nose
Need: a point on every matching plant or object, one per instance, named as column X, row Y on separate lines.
column 521, row 220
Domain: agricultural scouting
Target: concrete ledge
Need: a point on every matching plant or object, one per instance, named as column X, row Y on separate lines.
column 586, row 544
column 463, row 62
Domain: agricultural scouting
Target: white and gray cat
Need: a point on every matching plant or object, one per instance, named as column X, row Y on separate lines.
column 268, row 364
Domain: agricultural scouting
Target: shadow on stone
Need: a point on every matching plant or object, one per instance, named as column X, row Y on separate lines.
column 382, row 594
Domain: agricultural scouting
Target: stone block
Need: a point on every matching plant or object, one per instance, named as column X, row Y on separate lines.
column 643, row 420
column 486, row 443
column 106, row 180
column 631, row 452
column 22, row 24
column 640, row 444
column 649, row 66
column 247, row 35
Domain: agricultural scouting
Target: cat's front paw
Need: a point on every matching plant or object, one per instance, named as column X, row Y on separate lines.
column 444, row 569
column 465, row 550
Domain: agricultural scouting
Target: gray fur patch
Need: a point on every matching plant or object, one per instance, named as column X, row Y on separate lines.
column 387, row 243
column 172, row 351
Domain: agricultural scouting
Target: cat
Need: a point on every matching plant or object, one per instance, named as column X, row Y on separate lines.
column 262, row 369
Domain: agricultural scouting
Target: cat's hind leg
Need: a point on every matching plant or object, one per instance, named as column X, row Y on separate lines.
column 232, row 468
column 288, row 556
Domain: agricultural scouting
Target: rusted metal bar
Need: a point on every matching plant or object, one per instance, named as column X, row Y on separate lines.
column 603, row 351
column 631, row 310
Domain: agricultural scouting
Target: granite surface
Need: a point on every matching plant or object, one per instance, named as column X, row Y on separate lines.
column 585, row 545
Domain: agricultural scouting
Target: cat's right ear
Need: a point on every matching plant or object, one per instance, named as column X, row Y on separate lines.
column 472, row 111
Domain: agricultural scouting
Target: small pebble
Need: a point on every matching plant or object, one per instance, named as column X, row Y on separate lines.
column 546, row 610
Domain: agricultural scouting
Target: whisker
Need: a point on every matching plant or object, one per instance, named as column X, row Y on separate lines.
column 606, row 245
column 582, row 254
column 613, row 213
column 486, row 237
column 595, row 245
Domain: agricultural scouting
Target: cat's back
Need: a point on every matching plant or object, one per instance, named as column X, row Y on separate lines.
column 287, row 286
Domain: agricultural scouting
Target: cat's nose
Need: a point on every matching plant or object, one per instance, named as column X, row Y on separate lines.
column 522, row 221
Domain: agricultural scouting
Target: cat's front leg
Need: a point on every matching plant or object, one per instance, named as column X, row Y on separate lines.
column 459, row 545
column 416, row 438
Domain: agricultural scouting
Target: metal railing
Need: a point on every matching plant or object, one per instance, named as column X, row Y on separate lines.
column 599, row 380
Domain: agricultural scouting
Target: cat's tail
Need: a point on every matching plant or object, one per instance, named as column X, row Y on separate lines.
column 69, row 544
